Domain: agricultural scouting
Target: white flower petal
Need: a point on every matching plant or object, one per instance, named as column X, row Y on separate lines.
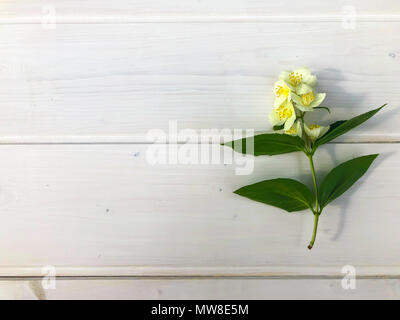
column 323, row 131
column 278, row 102
column 282, row 89
column 304, row 108
column 299, row 104
column 298, row 129
column 307, row 130
column 295, row 130
column 289, row 122
column 274, row 119
column 307, row 77
column 303, row 89
column 284, row 76
column 314, row 132
column 319, row 98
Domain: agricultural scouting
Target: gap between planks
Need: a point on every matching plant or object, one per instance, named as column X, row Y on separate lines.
column 120, row 140
column 198, row 19
column 149, row 143
column 293, row 277
column 149, row 272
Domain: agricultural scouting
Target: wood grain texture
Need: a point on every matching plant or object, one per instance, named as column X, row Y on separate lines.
column 101, row 74
column 201, row 289
column 104, row 210
column 112, row 83
column 103, row 10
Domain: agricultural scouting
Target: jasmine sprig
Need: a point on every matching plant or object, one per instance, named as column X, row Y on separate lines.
column 295, row 97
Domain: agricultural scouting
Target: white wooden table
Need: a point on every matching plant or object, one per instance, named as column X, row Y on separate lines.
column 83, row 82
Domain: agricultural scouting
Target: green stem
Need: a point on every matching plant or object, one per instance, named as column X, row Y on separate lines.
column 314, row 235
column 316, row 211
column 315, row 181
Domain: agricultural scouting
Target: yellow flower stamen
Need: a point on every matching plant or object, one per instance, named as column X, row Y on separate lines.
column 295, row 78
column 279, row 90
column 307, row 98
column 292, row 130
column 284, row 113
column 314, row 126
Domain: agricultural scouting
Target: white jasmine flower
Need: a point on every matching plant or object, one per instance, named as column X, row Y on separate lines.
column 298, row 76
column 315, row 131
column 283, row 114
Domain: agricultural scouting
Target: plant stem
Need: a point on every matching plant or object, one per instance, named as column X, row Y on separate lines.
column 315, row 181
column 316, row 217
column 316, row 211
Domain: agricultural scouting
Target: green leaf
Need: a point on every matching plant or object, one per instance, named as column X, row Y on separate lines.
column 326, row 108
column 267, row 144
column 343, row 177
column 344, row 127
column 287, row 194
column 335, row 124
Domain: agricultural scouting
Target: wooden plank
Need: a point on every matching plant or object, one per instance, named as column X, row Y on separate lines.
column 112, row 83
column 202, row 289
column 104, row 210
column 124, row 10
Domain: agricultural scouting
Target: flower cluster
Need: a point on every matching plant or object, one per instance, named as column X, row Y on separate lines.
column 294, row 96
